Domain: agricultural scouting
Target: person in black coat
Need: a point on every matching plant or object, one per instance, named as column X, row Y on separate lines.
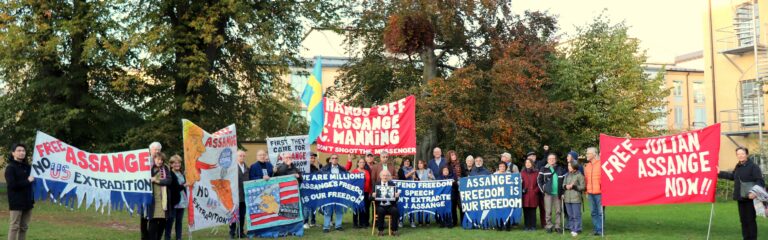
column 287, row 168
column 178, row 198
column 550, row 181
column 235, row 230
column 745, row 172
column 157, row 214
column 384, row 208
column 20, row 196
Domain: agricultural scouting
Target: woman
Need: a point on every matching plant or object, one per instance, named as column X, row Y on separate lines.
column 161, row 202
column 423, row 174
column 746, row 174
column 446, row 174
column 407, row 172
column 530, row 194
column 20, row 195
column 502, row 169
column 574, row 185
column 459, row 171
column 178, row 190
column 360, row 220
column 469, row 162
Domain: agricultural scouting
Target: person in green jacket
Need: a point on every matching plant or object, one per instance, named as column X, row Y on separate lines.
column 574, row 185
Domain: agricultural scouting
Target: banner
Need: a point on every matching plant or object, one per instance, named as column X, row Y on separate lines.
column 354, row 130
column 273, row 207
column 297, row 146
column 209, row 163
column 106, row 180
column 489, row 201
column 322, row 189
column 663, row 170
column 433, row 197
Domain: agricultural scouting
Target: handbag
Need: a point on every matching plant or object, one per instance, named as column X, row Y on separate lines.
column 744, row 189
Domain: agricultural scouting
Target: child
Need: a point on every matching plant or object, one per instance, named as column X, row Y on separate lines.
column 574, row 185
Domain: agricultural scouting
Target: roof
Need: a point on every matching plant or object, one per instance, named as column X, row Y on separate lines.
column 689, row 56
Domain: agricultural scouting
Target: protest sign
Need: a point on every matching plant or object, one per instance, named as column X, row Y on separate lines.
column 105, row 180
column 389, row 127
column 489, row 201
column 273, row 207
column 209, row 161
column 679, row 168
column 297, row 146
column 344, row 189
column 433, row 197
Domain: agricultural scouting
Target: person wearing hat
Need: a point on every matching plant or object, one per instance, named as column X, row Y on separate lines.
column 573, row 156
column 507, row 159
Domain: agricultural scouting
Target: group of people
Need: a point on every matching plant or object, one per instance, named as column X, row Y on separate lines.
column 546, row 185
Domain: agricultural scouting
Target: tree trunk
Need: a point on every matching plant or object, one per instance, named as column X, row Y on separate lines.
column 429, row 139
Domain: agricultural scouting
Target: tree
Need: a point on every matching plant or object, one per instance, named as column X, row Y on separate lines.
column 600, row 72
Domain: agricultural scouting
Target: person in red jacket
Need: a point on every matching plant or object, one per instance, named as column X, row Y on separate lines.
column 360, row 220
column 530, row 194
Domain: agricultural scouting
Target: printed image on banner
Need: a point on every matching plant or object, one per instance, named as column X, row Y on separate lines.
column 297, row 146
column 344, row 189
column 273, row 207
column 433, row 197
column 209, row 163
column 106, row 180
column 679, row 168
column 489, row 201
column 389, row 127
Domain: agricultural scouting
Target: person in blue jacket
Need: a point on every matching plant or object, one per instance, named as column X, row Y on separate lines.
column 333, row 167
column 262, row 168
column 479, row 169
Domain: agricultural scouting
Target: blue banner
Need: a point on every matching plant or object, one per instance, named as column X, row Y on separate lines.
column 343, row 189
column 490, row 201
column 433, row 197
column 273, row 208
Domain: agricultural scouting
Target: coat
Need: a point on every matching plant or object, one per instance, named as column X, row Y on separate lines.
column 530, row 188
column 545, row 180
column 242, row 176
column 366, row 186
column 163, row 182
column 376, row 169
column 479, row 171
column 327, row 169
column 20, row 194
column 285, row 170
column 176, row 190
column 256, row 173
column 435, row 168
column 747, row 172
column 573, row 195
column 592, row 172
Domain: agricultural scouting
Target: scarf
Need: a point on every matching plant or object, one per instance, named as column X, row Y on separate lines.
column 554, row 180
column 761, row 201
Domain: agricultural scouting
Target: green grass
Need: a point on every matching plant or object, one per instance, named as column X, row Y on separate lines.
column 689, row 221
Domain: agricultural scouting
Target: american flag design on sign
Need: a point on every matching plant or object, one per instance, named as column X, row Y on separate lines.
column 288, row 193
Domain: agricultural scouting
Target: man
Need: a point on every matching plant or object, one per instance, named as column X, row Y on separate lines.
column 550, row 182
column 383, row 165
column 154, row 148
column 237, row 231
column 507, row 159
column 333, row 167
column 437, row 162
column 592, row 172
column 20, row 195
column 384, row 208
column 287, row 168
column 262, row 168
column 478, row 169
column 314, row 167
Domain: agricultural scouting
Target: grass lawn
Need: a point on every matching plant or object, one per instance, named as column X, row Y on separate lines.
column 51, row 221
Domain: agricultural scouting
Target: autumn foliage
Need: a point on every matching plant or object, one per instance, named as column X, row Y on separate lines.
column 408, row 33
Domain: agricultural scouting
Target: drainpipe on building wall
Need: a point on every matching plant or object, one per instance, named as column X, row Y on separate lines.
column 688, row 99
column 712, row 62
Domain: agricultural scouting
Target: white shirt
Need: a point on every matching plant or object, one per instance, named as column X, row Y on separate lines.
column 335, row 169
column 242, row 167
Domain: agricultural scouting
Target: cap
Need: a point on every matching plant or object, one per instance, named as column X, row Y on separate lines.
column 530, row 153
column 314, row 154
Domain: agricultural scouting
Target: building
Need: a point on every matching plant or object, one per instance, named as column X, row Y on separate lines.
column 736, row 64
column 689, row 105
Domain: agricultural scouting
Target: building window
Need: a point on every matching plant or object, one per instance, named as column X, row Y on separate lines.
column 749, row 94
column 659, row 123
column 742, row 23
column 698, row 92
column 699, row 117
column 678, row 117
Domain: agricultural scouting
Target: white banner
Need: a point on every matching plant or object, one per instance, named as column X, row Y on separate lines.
column 297, row 146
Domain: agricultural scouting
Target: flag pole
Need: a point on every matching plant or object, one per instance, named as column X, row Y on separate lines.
column 602, row 222
column 711, row 214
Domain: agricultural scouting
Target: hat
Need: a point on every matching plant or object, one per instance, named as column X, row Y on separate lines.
column 574, row 155
column 530, row 154
column 314, row 154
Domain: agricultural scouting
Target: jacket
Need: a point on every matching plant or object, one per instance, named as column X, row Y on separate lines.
column 747, row 172
column 573, row 195
column 435, row 168
column 327, row 169
column 376, row 169
column 441, row 177
column 175, row 190
column 163, row 182
column 366, row 186
column 458, row 169
column 256, row 173
column 512, row 168
column 392, row 203
column 479, row 171
column 401, row 174
column 545, row 179
column 285, row 169
column 242, row 176
column 592, row 172
column 20, row 194
column 530, row 188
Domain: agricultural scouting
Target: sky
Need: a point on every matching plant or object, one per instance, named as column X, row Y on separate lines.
column 666, row 28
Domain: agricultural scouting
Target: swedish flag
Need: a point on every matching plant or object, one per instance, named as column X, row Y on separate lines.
column 313, row 98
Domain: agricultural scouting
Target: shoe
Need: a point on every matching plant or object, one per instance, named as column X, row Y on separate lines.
column 340, row 229
column 573, row 234
column 381, row 233
column 306, row 226
column 413, row 225
column 326, row 230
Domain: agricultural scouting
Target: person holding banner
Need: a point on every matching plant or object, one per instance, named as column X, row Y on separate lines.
column 574, row 186
column 407, row 172
column 262, row 168
column 445, row 174
column 459, row 171
column 437, row 163
column 310, row 216
column 158, row 207
column 360, row 220
column 592, row 172
column 469, row 162
column 478, row 169
column 329, row 211
column 20, row 196
column 386, row 202
column 506, row 158
column 745, row 175
column 550, row 182
column 422, row 172
column 502, row 169
column 178, row 195
column 287, row 167
column 238, row 231
column 154, row 148
column 530, row 194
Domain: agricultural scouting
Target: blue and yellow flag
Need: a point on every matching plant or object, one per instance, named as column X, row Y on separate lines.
column 313, row 98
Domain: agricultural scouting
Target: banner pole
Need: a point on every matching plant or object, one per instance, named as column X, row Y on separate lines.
column 711, row 214
column 603, row 222
column 562, row 215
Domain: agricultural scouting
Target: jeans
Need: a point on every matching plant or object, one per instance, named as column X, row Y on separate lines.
column 328, row 212
column 574, row 216
column 310, row 216
column 175, row 217
column 596, row 206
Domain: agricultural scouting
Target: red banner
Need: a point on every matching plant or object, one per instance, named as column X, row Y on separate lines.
column 389, row 127
column 663, row 170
